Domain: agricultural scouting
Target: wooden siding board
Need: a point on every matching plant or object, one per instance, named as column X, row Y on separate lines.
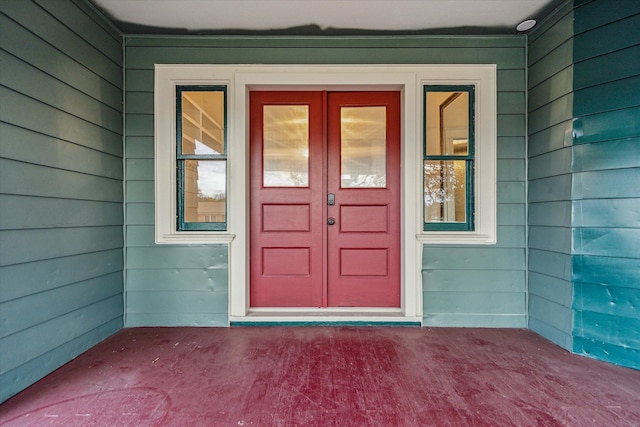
column 32, row 370
column 554, row 239
column 511, row 236
column 606, row 328
column 210, row 256
column 550, row 312
column 37, row 85
column 157, row 301
column 472, row 258
column 40, row 339
column 554, row 335
column 73, row 16
column 57, row 123
column 26, row 212
column 555, row 112
column 616, row 124
column 20, row 246
column 21, row 280
column 616, row 154
column 19, row 42
column 550, row 139
column 606, row 184
column 139, row 169
column 511, row 103
column 609, row 241
column 550, row 21
column 176, row 319
column 26, row 179
column 511, row 147
column 608, row 96
column 556, row 86
column 556, row 35
column 478, row 320
column 554, row 163
column 550, row 214
column 474, row 280
column 550, row 189
column 607, row 38
column 511, row 125
column 511, row 170
column 511, row 81
column 48, row 28
column 474, row 302
column 177, row 280
column 611, row 271
column 599, row 13
column 139, row 80
column 20, row 314
column 140, row 214
column 617, row 212
column 612, row 353
column 511, row 214
column 556, row 61
column 139, row 125
column 140, row 191
column 551, row 288
column 552, row 264
column 510, row 192
column 611, row 300
column 605, row 68
column 43, row 150
column 140, row 147
column 139, row 102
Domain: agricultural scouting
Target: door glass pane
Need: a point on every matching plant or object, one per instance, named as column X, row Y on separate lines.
column 205, row 191
column 444, row 191
column 203, row 122
column 447, row 123
column 363, row 150
column 285, row 146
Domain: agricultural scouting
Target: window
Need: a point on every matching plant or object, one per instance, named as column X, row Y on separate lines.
column 201, row 158
column 449, row 154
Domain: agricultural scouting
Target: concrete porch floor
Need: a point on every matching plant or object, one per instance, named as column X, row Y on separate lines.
column 325, row 376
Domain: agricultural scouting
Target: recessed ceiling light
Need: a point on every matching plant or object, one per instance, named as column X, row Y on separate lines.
column 526, row 25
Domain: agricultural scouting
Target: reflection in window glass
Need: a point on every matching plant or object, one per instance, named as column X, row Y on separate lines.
column 205, row 190
column 285, row 146
column 448, row 158
column 201, row 158
column 445, row 191
column 363, row 147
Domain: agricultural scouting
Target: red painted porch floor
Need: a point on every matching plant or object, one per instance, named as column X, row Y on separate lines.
column 326, row 376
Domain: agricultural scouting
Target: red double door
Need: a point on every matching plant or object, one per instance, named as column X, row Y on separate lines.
column 325, row 199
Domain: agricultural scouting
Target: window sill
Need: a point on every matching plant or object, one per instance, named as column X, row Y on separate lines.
column 195, row 238
column 456, row 238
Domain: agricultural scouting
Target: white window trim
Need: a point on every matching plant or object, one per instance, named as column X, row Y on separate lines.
column 240, row 79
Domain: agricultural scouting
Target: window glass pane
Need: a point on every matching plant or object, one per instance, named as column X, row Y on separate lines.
column 203, row 122
column 285, row 146
column 363, row 150
column 205, row 191
column 447, row 123
column 445, row 191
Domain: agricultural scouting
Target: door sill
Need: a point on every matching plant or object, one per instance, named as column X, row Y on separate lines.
column 325, row 317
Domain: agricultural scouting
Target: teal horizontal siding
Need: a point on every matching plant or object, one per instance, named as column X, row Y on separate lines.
column 606, row 68
column 614, row 36
column 614, row 329
column 210, row 256
column 554, row 87
column 554, row 163
column 472, row 258
column 23, row 44
column 47, row 27
column 609, row 96
column 511, row 147
column 31, row 278
column 554, row 264
column 39, row 149
column 597, row 13
column 177, row 319
column 20, row 246
column 606, row 126
column 61, row 172
column 604, row 350
column 47, row 212
column 616, row 301
column 550, row 214
column 611, row 271
column 553, row 63
column 503, row 281
column 606, row 184
column 201, row 279
column 552, row 138
column 618, row 212
column 614, row 242
column 554, row 239
column 615, row 154
column 550, row 189
column 555, row 112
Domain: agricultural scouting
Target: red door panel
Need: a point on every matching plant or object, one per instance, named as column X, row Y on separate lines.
column 364, row 242
column 287, row 229
column 297, row 258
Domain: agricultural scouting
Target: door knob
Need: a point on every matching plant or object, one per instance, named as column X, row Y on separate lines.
column 331, row 221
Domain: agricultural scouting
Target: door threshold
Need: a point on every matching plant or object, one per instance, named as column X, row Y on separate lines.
column 325, row 317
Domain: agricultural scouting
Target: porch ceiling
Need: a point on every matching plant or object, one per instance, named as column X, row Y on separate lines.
column 323, row 17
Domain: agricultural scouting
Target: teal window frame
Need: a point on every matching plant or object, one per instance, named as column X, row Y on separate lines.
column 469, row 159
column 181, row 160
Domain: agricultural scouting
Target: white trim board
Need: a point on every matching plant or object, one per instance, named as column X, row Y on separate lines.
column 241, row 79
